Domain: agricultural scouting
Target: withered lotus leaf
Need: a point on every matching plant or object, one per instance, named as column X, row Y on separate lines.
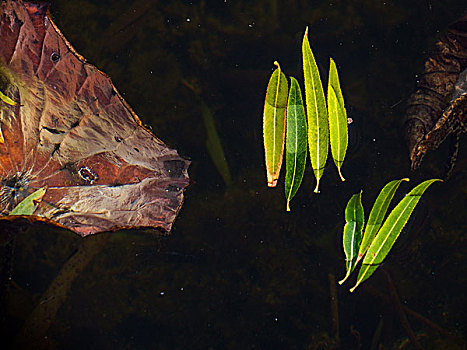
column 438, row 108
column 71, row 132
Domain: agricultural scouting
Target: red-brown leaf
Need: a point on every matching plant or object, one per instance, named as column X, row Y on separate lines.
column 73, row 133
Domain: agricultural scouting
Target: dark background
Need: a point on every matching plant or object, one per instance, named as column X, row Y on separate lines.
column 237, row 271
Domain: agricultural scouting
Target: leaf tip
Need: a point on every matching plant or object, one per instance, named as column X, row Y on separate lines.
column 343, row 280
column 306, row 31
column 7, row 100
column 272, row 178
column 340, row 174
column 353, row 288
column 277, row 65
column 288, row 207
column 316, row 190
column 272, row 183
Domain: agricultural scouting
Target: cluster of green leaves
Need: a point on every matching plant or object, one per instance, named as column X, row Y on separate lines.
column 379, row 235
column 324, row 122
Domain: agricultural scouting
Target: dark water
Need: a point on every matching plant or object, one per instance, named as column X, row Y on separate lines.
column 238, row 272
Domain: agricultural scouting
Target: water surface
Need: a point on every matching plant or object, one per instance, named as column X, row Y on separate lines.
column 237, row 271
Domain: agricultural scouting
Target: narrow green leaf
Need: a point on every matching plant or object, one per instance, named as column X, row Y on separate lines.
column 274, row 124
column 389, row 232
column 337, row 115
column 318, row 130
column 7, row 100
column 377, row 214
column 296, row 141
column 29, row 204
column 354, row 221
column 214, row 145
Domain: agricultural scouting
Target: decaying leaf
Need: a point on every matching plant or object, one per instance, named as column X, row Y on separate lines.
column 72, row 132
column 438, row 107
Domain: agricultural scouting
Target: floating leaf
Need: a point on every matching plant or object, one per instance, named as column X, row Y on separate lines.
column 214, row 145
column 274, row 124
column 318, row 129
column 73, row 133
column 7, row 100
column 296, row 141
column 389, row 232
column 377, row 214
column 354, row 221
column 29, row 204
column 337, row 115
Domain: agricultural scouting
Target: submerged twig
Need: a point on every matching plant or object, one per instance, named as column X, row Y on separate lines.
column 334, row 308
column 400, row 312
column 37, row 324
column 411, row 312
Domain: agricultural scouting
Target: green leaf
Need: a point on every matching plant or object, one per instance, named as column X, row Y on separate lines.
column 296, row 141
column 377, row 214
column 355, row 219
column 337, row 115
column 389, row 232
column 318, row 130
column 7, row 100
column 274, row 124
column 29, row 204
column 214, row 145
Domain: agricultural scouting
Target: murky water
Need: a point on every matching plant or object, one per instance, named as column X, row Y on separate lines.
column 238, row 272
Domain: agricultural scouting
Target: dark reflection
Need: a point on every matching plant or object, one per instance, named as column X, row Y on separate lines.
column 175, row 168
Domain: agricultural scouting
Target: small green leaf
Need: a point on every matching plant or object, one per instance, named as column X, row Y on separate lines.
column 274, row 124
column 389, row 232
column 355, row 219
column 337, row 115
column 318, row 130
column 377, row 214
column 29, row 204
column 7, row 100
column 296, row 141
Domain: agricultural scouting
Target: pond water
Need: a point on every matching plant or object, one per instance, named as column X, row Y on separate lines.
column 237, row 270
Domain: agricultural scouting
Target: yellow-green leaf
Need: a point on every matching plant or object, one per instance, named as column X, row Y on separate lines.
column 377, row 214
column 389, row 232
column 354, row 221
column 318, row 130
column 296, row 142
column 337, row 114
column 274, row 124
column 29, row 204
column 7, row 100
